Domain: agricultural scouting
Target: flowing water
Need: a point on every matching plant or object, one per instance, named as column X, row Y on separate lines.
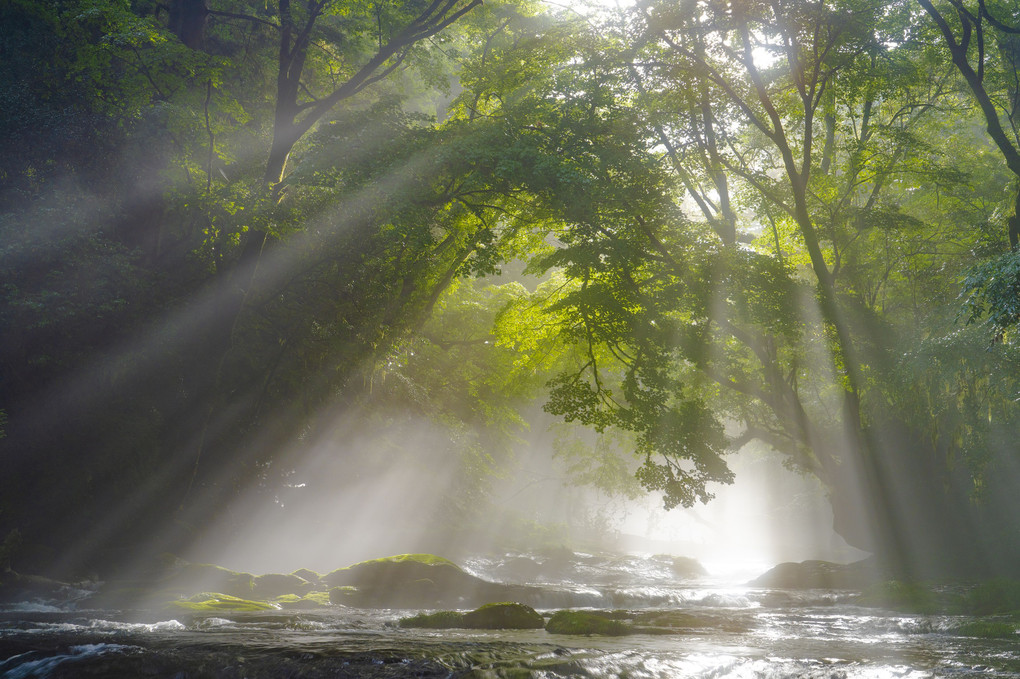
column 734, row 631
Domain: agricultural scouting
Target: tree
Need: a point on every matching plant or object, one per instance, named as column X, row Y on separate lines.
column 302, row 27
column 982, row 25
column 349, row 283
column 297, row 109
column 744, row 223
column 811, row 118
column 991, row 76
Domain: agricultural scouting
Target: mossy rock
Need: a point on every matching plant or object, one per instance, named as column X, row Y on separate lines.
column 437, row 620
column 217, row 602
column 16, row 587
column 994, row 596
column 342, row 595
column 504, row 615
column 910, row 597
column 310, row 576
column 394, row 569
column 308, row 601
column 987, row 630
column 203, row 577
column 419, row 558
column 815, row 574
column 415, row 581
column 687, row 567
column 273, row 585
column 586, row 623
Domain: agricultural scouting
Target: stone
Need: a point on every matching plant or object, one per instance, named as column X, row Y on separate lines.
column 586, row 623
column 504, row 615
column 816, row 574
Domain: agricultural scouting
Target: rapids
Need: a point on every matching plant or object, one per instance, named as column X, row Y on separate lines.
column 741, row 632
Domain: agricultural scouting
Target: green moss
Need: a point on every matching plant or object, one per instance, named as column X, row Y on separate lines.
column 994, row 596
column 386, row 564
column 212, row 602
column 987, row 630
column 310, row 600
column 586, row 622
column 427, row 559
column 318, row 597
column 437, row 620
column 912, row 597
column 406, row 581
column 341, row 595
column 504, row 615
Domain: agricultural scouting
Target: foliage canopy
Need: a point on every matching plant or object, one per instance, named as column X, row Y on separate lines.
column 682, row 227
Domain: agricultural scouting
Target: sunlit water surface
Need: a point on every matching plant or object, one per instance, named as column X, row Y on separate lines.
column 743, row 632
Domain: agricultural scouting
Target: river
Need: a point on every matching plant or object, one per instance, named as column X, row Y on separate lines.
column 739, row 632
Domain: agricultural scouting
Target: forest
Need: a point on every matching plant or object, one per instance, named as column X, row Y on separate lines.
column 233, row 232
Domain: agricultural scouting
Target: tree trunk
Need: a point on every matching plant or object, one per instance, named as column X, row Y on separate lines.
column 187, row 21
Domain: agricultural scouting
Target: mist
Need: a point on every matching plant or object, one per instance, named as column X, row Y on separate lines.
column 376, row 486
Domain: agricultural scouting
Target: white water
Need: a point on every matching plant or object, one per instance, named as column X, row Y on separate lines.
column 741, row 632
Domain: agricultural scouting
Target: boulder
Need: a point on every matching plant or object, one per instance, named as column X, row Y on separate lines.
column 504, row 615
column 310, row 576
column 217, row 602
column 437, row 620
column 820, row 575
column 397, row 569
column 17, row 587
column 189, row 578
column 416, row 581
column 273, row 585
column 687, row 567
column 309, row 601
column 586, row 623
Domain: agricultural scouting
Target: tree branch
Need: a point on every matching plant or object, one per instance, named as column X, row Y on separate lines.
column 243, row 17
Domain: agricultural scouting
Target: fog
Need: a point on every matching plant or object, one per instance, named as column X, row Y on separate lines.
column 377, row 486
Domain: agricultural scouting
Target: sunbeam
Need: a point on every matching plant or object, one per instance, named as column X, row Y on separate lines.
column 455, row 338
